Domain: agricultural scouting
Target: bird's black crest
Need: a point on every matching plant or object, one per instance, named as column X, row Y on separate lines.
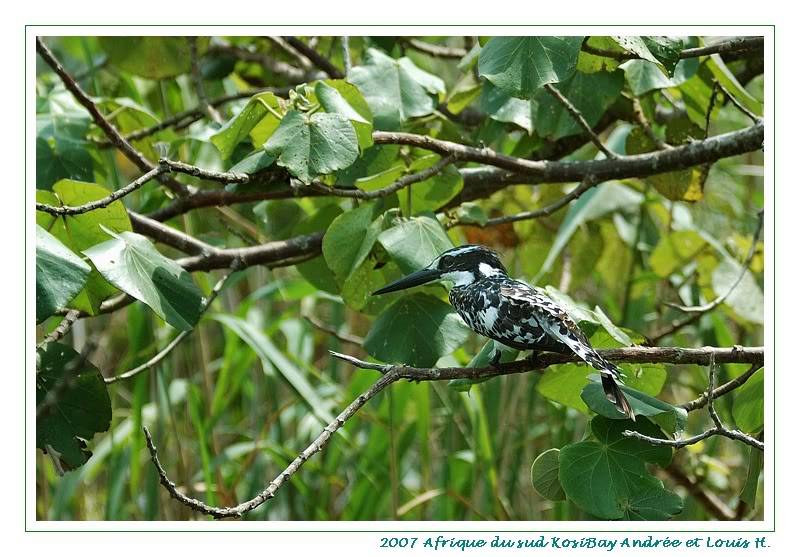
column 468, row 258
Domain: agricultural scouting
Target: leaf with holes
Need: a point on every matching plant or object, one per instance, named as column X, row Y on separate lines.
column 60, row 274
column 72, row 404
column 131, row 263
column 521, row 65
column 416, row 330
column 311, row 145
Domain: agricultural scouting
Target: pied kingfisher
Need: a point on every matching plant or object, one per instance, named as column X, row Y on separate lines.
column 511, row 312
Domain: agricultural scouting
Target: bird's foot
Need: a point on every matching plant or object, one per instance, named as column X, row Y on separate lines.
column 532, row 358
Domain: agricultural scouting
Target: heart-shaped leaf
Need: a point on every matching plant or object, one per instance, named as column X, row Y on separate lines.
column 544, row 476
column 414, row 242
column 311, row 145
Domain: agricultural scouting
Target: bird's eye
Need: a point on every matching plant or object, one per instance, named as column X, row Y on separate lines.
column 447, row 261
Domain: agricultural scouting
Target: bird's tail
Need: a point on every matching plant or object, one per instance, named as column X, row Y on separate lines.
column 615, row 395
column 609, row 376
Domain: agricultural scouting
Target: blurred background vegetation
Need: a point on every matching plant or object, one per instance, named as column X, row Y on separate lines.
column 232, row 405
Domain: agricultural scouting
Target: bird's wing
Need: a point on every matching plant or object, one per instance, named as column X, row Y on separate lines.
column 557, row 323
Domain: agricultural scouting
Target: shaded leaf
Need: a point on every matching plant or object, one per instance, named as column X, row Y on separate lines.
column 74, row 404
column 519, row 66
column 544, row 476
column 152, row 57
column 131, row 263
column 60, row 274
column 414, row 242
column 748, row 404
column 417, row 330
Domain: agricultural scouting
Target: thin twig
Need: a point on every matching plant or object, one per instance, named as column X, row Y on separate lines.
column 197, row 78
column 718, row 429
column 587, row 184
column 396, row 186
column 182, row 335
column 108, row 128
column 318, row 59
column 745, row 267
column 205, row 174
column 578, row 117
column 435, row 50
column 739, row 105
column 731, row 385
column 269, row 492
column 65, row 210
column 344, row 337
column 61, row 329
column 644, row 123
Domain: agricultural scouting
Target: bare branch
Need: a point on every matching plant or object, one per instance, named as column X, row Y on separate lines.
column 212, row 175
column 736, row 45
column 269, row 492
column 578, row 117
column 61, row 329
column 297, row 248
column 435, row 50
column 721, row 390
column 182, row 335
column 111, row 132
column 718, row 429
column 318, row 59
column 588, row 183
column 168, row 235
column 197, row 78
column 344, row 337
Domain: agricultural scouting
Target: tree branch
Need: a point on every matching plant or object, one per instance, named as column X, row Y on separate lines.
column 111, row 132
column 735, row 383
column 316, row 58
column 435, row 50
column 578, row 117
column 178, row 338
column 731, row 46
column 392, row 373
column 718, row 429
column 269, row 492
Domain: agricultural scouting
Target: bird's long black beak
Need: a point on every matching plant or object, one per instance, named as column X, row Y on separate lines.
column 414, row 279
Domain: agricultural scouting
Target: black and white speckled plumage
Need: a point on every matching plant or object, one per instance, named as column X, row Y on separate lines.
column 511, row 312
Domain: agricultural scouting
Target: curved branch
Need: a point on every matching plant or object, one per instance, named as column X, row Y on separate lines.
column 525, row 171
column 736, row 45
column 316, row 58
column 269, row 492
column 178, row 338
column 435, row 50
column 108, row 128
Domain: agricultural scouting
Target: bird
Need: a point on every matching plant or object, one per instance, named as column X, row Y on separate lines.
column 511, row 312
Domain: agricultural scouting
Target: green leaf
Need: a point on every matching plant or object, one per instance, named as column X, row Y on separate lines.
column 563, row 384
column 732, row 85
column 602, row 477
column 316, row 271
column 433, row 193
column 747, row 299
column 696, row 94
column 482, row 359
column 417, row 330
column 671, row 418
column 471, row 213
column 592, row 94
column 544, row 476
column 74, row 401
column 131, row 263
column 748, row 404
column 270, row 355
column 83, row 231
column 339, row 97
column 258, row 114
column 666, row 50
column 750, row 488
column 675, row 250
column 504, row 108
column 61, row 148
column 152, row 57
column 414, row 242
column 597, row 202
column 309, row 146
column 519, row 66
column 680, row 185
column 395, row 90
column 349, row 239
column 653, row 503
column 60, row 274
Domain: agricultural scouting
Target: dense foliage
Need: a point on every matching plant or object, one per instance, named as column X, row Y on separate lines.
column 265, row 186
